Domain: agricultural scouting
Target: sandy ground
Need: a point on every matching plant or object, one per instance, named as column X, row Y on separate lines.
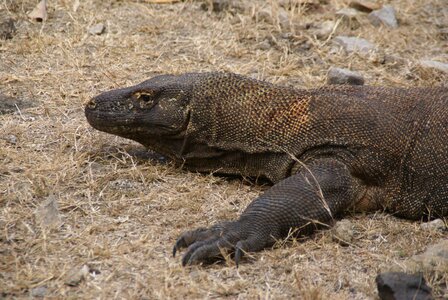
column 95, row 211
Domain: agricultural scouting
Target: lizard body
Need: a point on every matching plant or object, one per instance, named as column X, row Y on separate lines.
column 326, row 150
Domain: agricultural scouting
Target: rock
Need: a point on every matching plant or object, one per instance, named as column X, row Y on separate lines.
column 264, row 45
column 265, row 15
column 434, row 259
column 39, row 13
column 432, row 64
column 354, row 44
column 75, row 275
column 7, row 29
column 344, row 76
column 323, row 30
column 9, row 104
column 97, row 29
column 443, row 34
column 47, row 214
column 39, row 292
column 394, row 60
column 12, row 139
column 283, row 18
column 305, row 5
column 385, row 16
column 401, row 286
column 346, row 12
column 364, row 6
column 436, row 225
column 218, row 6
column 343, row 232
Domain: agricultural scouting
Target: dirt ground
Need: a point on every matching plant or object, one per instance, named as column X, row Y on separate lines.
column 84, row 214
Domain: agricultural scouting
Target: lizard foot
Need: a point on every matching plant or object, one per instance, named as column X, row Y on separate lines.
column 206, row 244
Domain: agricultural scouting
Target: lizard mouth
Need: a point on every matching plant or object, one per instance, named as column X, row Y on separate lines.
column 120, row 123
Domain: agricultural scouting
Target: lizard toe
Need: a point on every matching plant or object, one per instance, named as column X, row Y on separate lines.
column 190, row 237
column 194, row 247
column 253, row 243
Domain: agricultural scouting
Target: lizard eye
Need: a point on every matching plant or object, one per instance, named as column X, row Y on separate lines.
column 145, row 97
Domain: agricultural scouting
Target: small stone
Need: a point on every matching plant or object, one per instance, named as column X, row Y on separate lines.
column 265, row 15
column 398, row 286
column 343, row 232
column 347, row 12
column 436, row 225
column 39, row 13
column 47, row 214
column 7, row 29
column 12, row 139
column 394, row 60
column 75, row 275
column 433, row 261
column 39, row 292
column 432, row 64
column 443, row 34
column 354, row 44
column 264, row 45
column 385, row 16
column 323, row 30
column 218, row 6
column 364, row 6
column 283, row 18
column 10, row 104
column 97, row 29
column 344, row 76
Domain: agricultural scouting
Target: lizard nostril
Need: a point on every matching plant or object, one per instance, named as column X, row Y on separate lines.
column 91, row 104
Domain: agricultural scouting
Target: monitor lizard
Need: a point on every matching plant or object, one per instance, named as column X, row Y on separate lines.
column 326, row 150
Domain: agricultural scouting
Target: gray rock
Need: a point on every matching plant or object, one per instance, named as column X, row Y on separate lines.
column 283, row 18
column 436, row 225
column 97, row 29
column 39, row 292
column 364, row 6
column 47, row 214
column 218, row 6
column 9, row 104
column 343, row 232
column 323, row 30
column 385, row 16
column 354, row 44
column 434, row 261
column 394, row 60
column 432, row 64
column 443, row 34
column 7, row 29
column 12, row 139
column 264, row 45
column 401, row 286
column 76, row 275
column 344, row 76
column 265, row 15
column 347, row 12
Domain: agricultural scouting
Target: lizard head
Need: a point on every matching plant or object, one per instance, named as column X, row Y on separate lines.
column 152, row 111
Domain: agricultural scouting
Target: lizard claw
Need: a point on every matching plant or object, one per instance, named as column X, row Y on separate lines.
column 206, row 245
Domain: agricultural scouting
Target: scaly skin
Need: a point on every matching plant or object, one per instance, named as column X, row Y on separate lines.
column 327, row 150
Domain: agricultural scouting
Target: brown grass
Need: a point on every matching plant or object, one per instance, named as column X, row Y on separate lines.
column 119, row 214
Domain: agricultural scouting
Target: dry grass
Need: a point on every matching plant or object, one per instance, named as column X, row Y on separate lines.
column 119, row 213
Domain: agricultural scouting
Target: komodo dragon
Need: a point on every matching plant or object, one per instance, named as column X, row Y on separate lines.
column 326, row 150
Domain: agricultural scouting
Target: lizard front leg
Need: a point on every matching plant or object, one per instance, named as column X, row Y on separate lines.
column 305, row 201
